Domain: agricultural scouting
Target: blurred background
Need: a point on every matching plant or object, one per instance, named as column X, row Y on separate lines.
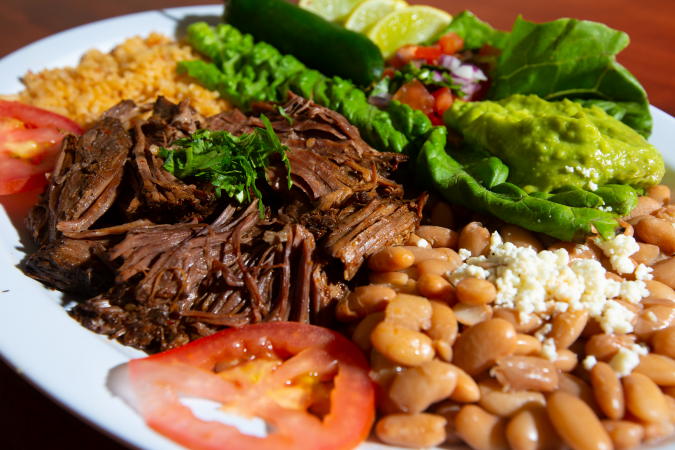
column 30, row 420
column 649, row 23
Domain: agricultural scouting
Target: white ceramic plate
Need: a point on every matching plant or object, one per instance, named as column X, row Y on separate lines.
column 37, row 337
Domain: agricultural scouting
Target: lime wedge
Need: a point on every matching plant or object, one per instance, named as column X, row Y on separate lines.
column 369, row 12
column 332, row 10
column 411, row 25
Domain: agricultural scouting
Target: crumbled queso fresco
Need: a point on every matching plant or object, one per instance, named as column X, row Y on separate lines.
column 545, row 284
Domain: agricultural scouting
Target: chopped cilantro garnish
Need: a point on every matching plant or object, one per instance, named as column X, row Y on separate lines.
column 232, row 164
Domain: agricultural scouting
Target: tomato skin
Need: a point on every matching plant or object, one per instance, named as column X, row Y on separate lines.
column 415, row 95
column 443, row 100
column 39, row 130
column 403, row 56
column 451, row 43
column 157, row 380
column 431, row 54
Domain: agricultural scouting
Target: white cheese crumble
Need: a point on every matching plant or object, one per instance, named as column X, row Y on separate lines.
column 423, row 243
column 541, row 333
column 626, row 359
column 569, row 169
column 589, row 362
column 618, row 250
column 643, row 273
column 592, row 186
column 580, row 248
column 548, row 350
column 464, row 254
column 545, row 283
column 607, row 209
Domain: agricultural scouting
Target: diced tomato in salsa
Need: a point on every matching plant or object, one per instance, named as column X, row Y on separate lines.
column 451, row 43
column 416, row 95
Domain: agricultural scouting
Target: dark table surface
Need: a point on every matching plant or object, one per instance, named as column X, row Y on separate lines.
column 28, row 419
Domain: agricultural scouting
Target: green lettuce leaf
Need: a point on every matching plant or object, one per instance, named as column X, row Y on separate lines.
column 507, row 201
column 475, row 32
column 575, row 59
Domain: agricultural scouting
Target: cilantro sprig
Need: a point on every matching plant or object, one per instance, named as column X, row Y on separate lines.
column 232, row 164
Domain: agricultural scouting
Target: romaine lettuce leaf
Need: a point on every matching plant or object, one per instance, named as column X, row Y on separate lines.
column 575, row 59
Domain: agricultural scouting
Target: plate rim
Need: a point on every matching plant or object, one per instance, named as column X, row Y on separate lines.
column 10, row 265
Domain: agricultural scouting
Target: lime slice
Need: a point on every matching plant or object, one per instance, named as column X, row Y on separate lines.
column 411, row 25
column 369, row 12
column 332, row 10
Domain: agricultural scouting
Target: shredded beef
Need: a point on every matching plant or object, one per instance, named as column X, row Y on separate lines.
column 168, row 272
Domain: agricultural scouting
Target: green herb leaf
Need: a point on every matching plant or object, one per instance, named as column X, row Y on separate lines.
column 283, row 114
column 232, row 164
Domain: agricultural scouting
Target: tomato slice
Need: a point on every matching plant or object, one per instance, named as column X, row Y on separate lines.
column 415, row 95
column 273, row 371
column 30, row 142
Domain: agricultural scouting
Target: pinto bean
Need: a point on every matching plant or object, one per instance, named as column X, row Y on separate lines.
column 605, row 346
column 475, row 238
column 452, row 255
column 418, row 387
column 391, row 259
column 625, row 435
column 652, row 319
column 398, row 278
column 423, row 254
column 412, row 430
column 520, row 237
column 361, row 334
column 532, row 323
column 569, row 415
column 567, row 360
column 660, row 193
column 567, row 327
column 402, row 345
column 644, row 399
column 608, row 391
column 577, row 387
column 443, row 329
column 660, row 369
column 663, row 342
column 438, row 236
column 526, row 373
column 506, row 404
column 437, row 267
column 473, row 291
column 481, row 430
column 480, row 345
column 647, row 254
column 657, row 232
column 527, row 345
column 531, row 429
column 644, row 207
column 472, row 314
column 436, row 287
column 449, row 410
column 467, row 390
column 664, row 272
column 409, row 311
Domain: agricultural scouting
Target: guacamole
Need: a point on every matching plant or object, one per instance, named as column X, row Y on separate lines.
column 549, row 145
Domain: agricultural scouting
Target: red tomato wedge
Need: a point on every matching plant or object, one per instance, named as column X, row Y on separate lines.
column 274, row 371
column 443, row 100
column 30, row 142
